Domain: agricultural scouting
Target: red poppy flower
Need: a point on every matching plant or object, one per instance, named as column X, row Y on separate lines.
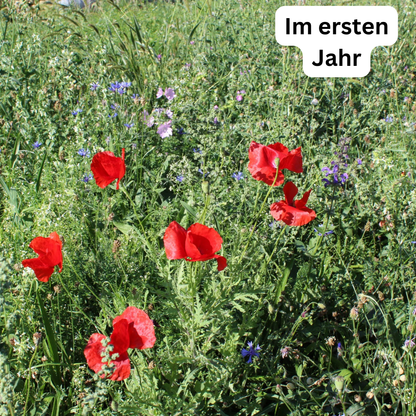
column 292, row 212
column 50, row 255
column 132, row 329
column 140, row 327
column 197, row 243
column 120, row 340
column 262, row 165
column 106, row 167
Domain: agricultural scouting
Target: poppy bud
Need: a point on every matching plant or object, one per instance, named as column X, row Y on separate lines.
column 205, row 187
column 339, row 383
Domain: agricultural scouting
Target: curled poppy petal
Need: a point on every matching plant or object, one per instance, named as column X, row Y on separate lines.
column 197, row 243
column 262, row 162
column 106, row 168
column 140, row 328
column 293, row 213
column 50, row 255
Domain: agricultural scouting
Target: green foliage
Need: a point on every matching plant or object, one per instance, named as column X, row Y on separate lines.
column 330, row 304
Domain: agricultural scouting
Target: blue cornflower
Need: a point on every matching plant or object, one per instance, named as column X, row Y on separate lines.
column 77, row 111
column 113, row 115
column 94, row 86
column 36, row 144
column 388, row 119
column 180, row 178
column 251, row 352
column 129, row 126
column 216, row 120
column 340, row 350
column 197, row 150
column 114, row 87
column 125, row 84
column 87, row 178
column 114, row 106
column 84, row 152
column 135, row 96
column 359, row 162
column 202, row 173
column 237, row 176
column 181, row 131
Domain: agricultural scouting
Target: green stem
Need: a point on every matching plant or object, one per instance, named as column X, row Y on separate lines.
column 28, row 380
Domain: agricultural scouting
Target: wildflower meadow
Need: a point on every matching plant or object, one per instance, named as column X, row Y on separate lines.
column 189, row 225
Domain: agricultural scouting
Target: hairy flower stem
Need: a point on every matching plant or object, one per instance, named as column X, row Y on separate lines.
column 259, row 213
column 27, row 383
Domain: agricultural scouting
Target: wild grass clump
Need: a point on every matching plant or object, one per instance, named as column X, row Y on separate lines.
column 325, row 312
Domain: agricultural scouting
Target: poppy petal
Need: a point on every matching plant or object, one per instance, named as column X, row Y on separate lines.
column 262, row 164
column 120, row 337
column 292, row 161
column 221, row 262
column 290, row 215
column 122, row 368
column 43, row 272
column 174, row 241
column 93, row 352
column 141, row 328
column 202, row 241
column 290, row 190
column 302, row 202
column 106, row 168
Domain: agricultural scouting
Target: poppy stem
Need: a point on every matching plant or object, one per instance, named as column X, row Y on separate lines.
column 260, row 211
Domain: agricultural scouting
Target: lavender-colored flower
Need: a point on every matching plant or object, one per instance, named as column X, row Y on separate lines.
column 84, row 152
column 359, row 162
column 216, row 120
column 239, row 96
column 159, row 57
column 149, row 120
column 87, row 178
column 251, row 352
column 388, row 119
column 192, row 42
column 197, row 150
column 170, row 94
column 215, row 107
column 113, row 115
column 36, row 144
column 414, row 310
column 135, row 96
column 114, row 106
column 202, row 173
column 409, row 343
column 107, row 140
column 340, row 350
column 94, row 86
column 187, row 66
column 169, row 113
column 406, row 99
column 125, row 84
column 159, row 93
column 180, row 178
column 77, row 111
column 159, row 110
column 129, row 126
column 165, row 129
column 237, row 176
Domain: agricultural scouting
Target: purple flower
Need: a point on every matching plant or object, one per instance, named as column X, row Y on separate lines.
column 84, row 152
column 94, row 86
column 169, row 113
column 114, row 87
column 340, row 350
column 125, row 84
column 388, row 119
column 36, row 144
column 165, row 129
column 359, row 162
column 406, row 99
column 409, row 343
column 149, row 120
column 414, row 311
column 192, row 42
column 114, row 115
column 135, row 96
column 240, row 95
column 159, row 93
column 237, row 176
column 180, row 178
column 159, row 57
column 202, row 173
column 197, row 150
column 181, row 131
column 114, row 106
column 129, row 126
column 215, row 107
column 170, row 94
column 87, row 178
column 187, row 66
column 77, row 111
column 251, row 352
column 159, row 110
column 216, row 120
